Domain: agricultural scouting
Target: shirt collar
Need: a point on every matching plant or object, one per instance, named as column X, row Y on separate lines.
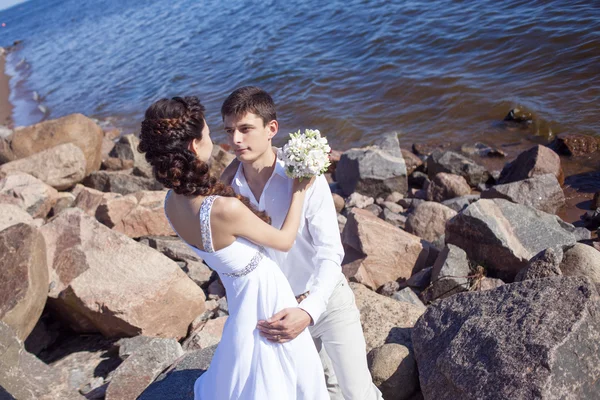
column 240, row 179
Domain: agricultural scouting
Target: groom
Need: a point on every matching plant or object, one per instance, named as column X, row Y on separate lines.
column 313, row 265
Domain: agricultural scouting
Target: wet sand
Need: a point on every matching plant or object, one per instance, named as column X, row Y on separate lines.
column 5, row 106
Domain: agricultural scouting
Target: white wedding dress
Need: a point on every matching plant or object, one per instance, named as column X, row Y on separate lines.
column 246, row 365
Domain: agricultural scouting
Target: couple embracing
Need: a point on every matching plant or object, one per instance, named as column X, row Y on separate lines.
column 293, row 330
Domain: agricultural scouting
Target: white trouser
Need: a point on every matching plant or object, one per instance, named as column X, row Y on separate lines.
column 339, row 338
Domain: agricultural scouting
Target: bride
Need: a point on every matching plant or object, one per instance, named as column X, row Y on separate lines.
column 225, row 231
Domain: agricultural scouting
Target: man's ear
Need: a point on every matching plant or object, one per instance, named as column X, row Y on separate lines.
column 273, row 128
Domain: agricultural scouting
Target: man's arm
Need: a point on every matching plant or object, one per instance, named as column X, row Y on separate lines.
column 323, row 227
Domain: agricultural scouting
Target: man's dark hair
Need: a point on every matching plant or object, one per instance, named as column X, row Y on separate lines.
column 249, row 99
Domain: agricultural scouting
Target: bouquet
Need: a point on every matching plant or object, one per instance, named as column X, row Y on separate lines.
column 306, row 154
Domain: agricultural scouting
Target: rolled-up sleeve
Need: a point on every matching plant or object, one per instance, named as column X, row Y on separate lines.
column 323, row 227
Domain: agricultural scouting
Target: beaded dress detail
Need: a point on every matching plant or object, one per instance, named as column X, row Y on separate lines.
column 245, row 365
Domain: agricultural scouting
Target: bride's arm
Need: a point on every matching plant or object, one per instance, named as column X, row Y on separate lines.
column 234, row 218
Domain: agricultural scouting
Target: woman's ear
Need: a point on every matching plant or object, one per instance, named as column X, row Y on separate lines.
column 193, row 146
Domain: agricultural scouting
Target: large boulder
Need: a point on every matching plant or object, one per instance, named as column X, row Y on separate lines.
column 136, row 215
column 121, row 182
column 177, row 382
column 33, row 195
column 140, row 368
column 503, row 236
column 61, row 167
column 533, row 339
column 450, row 274
column 23, row 278
column 456, row 164
column 428, row 220
column 22, row 375
column 374, row 171
column 385, row 320
column 74, row 128
column 103, row 281
column 378, row 252
column 11, row 214
column 539, row 160
column 542, row 192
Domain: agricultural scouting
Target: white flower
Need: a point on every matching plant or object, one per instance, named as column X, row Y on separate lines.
column 306, row 154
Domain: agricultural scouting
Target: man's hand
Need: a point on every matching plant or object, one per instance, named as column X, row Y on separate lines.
column 285, row 325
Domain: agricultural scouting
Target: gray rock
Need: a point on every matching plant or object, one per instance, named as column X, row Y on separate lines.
column 421, row 279
column 503, row 236
column 127, row 346
column 408, row 295
column 533, row 339
column 409, row 203
column 428, row 220
column 398, row 220
column 120, row 182
column 450, row 272
column 374, row 170
column 460, row 203
column 482, row 150
column 542, row 192
column 126, row 149
column 538, row 160
column 457, row 164
column 543, row 265
column 177, row 383
column 581, row 260
column 359, row 200
column 446, row 186
column 375, row 210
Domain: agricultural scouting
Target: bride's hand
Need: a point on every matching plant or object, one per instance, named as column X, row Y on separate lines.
column 306, row 183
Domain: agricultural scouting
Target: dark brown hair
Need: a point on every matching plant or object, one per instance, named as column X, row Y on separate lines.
column 168, row 127
column 250, row 99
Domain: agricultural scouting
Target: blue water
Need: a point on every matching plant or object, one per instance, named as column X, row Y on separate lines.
column 354, row 69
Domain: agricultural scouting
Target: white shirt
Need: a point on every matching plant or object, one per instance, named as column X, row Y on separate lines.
column 314, row 261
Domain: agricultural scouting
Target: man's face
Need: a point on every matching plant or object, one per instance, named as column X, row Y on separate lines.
column 248, row 136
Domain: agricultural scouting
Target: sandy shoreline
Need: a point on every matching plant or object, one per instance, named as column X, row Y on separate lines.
column 5, row 106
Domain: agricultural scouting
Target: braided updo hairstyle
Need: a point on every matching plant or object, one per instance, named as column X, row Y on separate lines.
column 168, row 127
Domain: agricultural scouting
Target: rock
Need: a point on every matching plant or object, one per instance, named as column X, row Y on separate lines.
column 456, row 164
column 394, row 197
column 22, row 375
column 220, row 159
column 177, row 383
column 394, row 371
column 373, row 170
column 446, row 186
column 542, row 192
column 341, row 222
column 409, row 203
column 23, row 278
column 489, row 283
column 126, row 149
column 374, row 209
column 421, row 279
column 574, row 145
column 390, row 217
column 74, row 128
column 207, row 335
column 116, row 164
column 450, row 272
column 34, row 196
column 89, row 199
column 428, row 220
column 64, row 200
column 60, row 167
column 120, row 182
column 539, row 160
column 533, row 339
column 408, row 295
column 425, row 149
column 10, row 215
column 389, row 288
column 136, row 215
column 339, row 202
column 127, row 346
column 358, row 200
column 418, row 179
column 581, row 260
column 412, row 161
column 595, row 201
column 482, row 150
column 543, row 265
column 393, row 207
column 519, row 115
column 177, row 250
column 503, row 236
column 103, row 281
column 140, row 369
column 216, row 288
column 384, row 320
column 377, row 252
column 460, row 203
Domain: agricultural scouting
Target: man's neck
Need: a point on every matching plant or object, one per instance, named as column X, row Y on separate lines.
column 258, row 172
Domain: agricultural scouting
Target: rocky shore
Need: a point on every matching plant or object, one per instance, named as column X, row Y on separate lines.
column 468, row 282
